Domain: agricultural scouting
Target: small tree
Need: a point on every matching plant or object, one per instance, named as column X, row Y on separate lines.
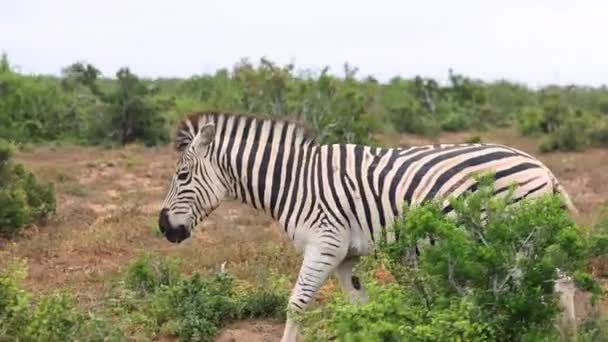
column 81, row 73
column 5, row 66
column 133, row 114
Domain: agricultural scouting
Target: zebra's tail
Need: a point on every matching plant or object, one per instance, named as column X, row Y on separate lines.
column 566, row 200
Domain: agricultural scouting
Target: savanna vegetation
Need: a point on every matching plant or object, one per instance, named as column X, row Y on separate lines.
column 490, row 281
column 84, row 106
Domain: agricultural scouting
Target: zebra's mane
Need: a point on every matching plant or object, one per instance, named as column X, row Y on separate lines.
column 192, row 123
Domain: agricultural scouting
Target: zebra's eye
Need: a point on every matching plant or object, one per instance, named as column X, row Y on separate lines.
column 182, row 175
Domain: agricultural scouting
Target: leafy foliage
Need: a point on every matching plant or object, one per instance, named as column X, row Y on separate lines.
column 488, row 276
column 563, row 126
column 149, row 273
column 53, row 318
column 13, row 300
column 133, row 115
column 23, row 200
column 193, row 308
column 83, row 106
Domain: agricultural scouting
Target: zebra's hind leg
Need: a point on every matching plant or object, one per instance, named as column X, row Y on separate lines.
column 320, row 259
column 351, row 284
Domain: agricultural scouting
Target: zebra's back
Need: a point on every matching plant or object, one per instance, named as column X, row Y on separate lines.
column 365, row 188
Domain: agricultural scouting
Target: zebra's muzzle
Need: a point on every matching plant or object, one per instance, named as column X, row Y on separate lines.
column 173, row 234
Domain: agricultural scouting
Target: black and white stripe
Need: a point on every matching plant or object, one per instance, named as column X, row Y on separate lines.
column 333, row 201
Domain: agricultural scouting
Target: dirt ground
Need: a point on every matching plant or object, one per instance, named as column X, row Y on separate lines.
column 108, row 200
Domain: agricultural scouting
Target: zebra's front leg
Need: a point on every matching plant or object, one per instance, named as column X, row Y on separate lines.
column 350, row 283
column 320, row 259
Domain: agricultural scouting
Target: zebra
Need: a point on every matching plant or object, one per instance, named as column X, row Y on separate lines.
column 332, row 200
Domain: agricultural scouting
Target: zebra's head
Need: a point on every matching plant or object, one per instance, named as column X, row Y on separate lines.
column 196, row 188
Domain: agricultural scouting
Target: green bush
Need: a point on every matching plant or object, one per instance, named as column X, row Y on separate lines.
column 573, row 134
column 563, row 127
column 599, row 133
column 154, row 299
column 268, row 299
column 131, row 113
column 23, row 200
column 337, row 109
column 54, row 317
column 529, row 120
column 13, row 301
column 33, row 108
column 407, row 117
column 148, row 273
column 196, row 308
column 482, row 279
column 395, row 313
column 456, row 121
column 199, row 306
column 507, row 98
column 473, row 139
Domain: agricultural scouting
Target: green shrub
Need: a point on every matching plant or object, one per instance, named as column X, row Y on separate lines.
column 480, row 280
column 33, row 108
column 13, row 301
column 54, row 317
column 571, row 135
column 599, row 133
column 196, row 308
column 23, row 200
column 507, row 98
column 268, row 299
column 395, row 313
column 564, row 128
column 131, row 114
column 593, row 328
column 408, row 118
column 153, row 298
column 529, row 120
column 199, row 305
column 337, row 109
column 473, row 139
column 149, row 272
column 456, row 121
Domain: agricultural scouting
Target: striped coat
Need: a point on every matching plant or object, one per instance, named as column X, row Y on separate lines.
column 333, row 201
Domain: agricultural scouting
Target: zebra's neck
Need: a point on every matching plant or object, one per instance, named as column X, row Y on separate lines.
column 267, row 164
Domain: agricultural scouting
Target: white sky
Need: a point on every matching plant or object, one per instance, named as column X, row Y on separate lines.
column 531, row 41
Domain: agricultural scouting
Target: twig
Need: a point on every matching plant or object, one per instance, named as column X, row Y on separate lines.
column 451, row 276
column 513, row 270
column 483, row 239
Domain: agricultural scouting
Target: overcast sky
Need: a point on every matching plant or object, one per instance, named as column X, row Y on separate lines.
column 531, row 41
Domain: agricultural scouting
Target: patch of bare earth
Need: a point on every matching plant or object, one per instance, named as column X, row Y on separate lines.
column 251, row 331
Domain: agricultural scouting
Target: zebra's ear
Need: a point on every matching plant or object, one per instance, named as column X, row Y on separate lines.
column 206, row 135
